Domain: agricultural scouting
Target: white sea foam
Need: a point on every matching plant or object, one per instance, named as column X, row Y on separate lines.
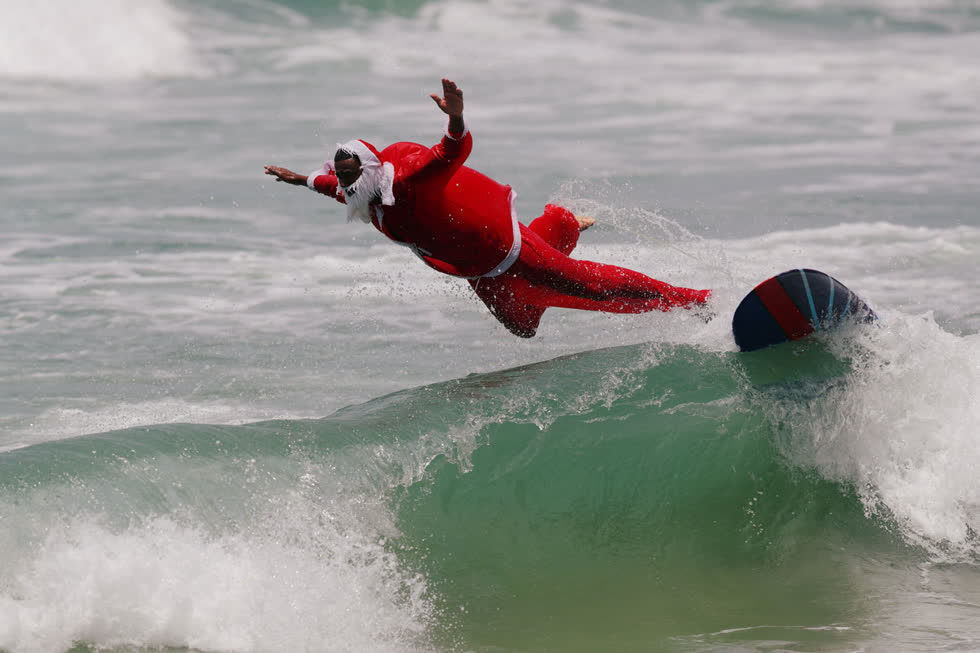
column 903, row 431
column 94, row 40
column 292, row 587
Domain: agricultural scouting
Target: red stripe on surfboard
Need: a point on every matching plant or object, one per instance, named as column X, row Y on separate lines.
column 783, row 310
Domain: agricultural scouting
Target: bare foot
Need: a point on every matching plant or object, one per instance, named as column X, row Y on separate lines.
column 584, row 222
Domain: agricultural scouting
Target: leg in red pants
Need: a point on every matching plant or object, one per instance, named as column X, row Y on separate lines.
column 545, row 275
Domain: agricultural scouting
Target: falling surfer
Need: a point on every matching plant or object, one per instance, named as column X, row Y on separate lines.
column 462, row 223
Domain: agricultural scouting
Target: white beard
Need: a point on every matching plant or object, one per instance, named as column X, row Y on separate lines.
column 374, row 184
column 361, row 193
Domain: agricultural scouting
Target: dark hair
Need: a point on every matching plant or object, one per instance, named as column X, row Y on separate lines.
column 343, row 155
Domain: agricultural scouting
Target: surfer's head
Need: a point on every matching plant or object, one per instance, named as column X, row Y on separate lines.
column 363, row 178
column 347, row 167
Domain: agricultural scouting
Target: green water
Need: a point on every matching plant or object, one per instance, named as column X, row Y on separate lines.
column 665, row 514
column 646, row 497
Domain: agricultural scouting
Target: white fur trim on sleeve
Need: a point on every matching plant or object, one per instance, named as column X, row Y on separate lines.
column 311, row 178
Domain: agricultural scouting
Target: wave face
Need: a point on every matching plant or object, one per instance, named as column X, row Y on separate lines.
column 621, row 495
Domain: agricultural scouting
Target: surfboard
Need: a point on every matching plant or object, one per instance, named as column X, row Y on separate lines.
column 792, row 305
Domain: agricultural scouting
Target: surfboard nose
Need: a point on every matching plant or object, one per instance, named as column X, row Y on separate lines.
column 792, row 305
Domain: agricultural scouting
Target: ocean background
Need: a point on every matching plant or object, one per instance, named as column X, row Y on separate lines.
column 230, row 421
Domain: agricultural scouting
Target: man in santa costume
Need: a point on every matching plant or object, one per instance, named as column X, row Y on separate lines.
column 462, row 223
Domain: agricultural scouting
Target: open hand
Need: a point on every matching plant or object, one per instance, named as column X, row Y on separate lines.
column 451, row 101
column 283, row 174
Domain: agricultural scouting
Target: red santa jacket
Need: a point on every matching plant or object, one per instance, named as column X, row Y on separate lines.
column 459, row 221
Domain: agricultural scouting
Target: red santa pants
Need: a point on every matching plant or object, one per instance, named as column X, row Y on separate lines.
column 545, row 275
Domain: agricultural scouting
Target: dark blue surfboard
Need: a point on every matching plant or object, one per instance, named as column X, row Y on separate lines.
column 792, row 305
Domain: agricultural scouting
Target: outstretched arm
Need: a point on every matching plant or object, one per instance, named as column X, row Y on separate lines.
column 443, row 159
column 451, row 103
column 320, row 181
column 288, row 176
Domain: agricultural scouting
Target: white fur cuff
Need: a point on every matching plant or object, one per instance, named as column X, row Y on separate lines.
column 311, row 178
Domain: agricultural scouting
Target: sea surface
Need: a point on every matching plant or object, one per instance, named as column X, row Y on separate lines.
column 232, row 422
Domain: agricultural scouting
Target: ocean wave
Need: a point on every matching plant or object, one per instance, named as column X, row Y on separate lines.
column 654, row 464
column 95, row 40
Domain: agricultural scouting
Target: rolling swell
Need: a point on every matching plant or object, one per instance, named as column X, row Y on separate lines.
column 652, row 476
column 647, row 513
column 627, row 443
